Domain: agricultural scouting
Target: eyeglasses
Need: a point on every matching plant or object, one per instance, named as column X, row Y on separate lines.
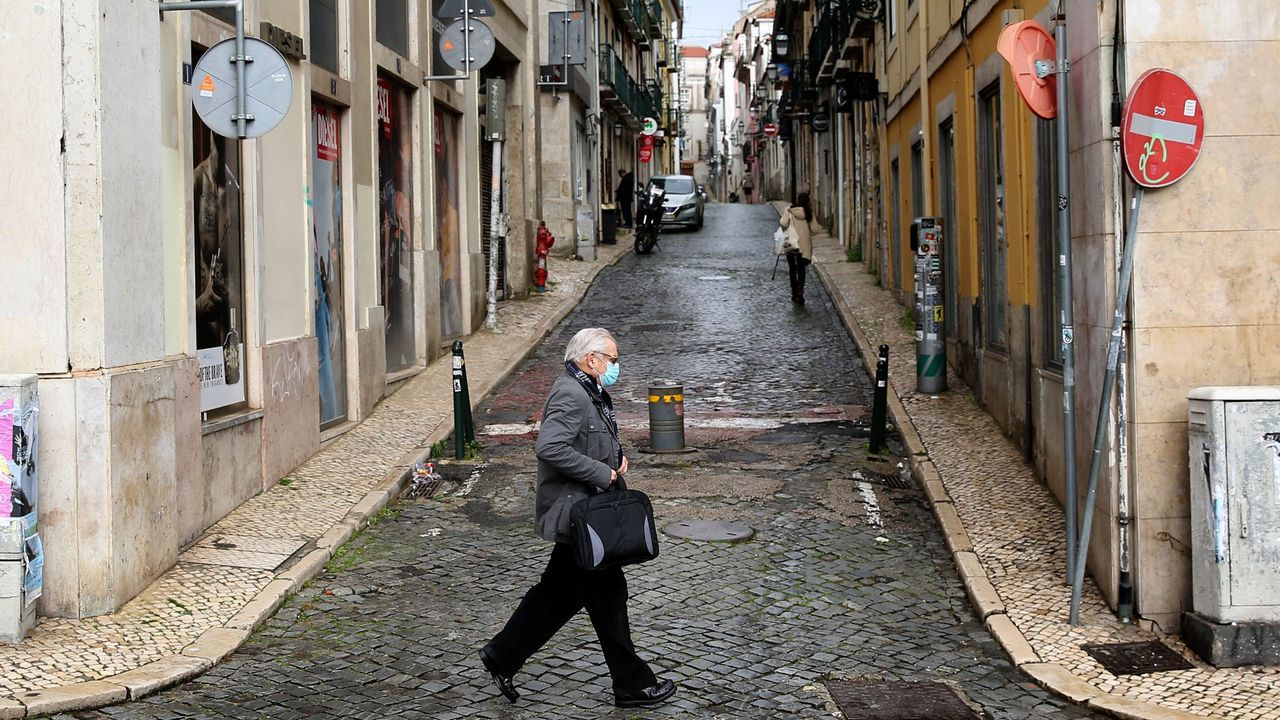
column 610, row 358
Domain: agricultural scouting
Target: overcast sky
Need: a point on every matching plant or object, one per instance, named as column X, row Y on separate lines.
column 705, row 21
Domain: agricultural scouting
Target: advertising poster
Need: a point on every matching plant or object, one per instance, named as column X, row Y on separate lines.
column 19, row 485
column 447, row 222
column 326, row 235
column 218, row 267
column 395, row 257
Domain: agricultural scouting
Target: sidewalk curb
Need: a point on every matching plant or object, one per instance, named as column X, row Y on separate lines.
column 219, row 642
column 986, row 602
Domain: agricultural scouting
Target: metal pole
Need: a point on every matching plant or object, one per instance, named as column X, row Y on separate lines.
column 880, row 401
column 1099, row 433
column 495, row 222
column 1065, row 300
column 242, row 120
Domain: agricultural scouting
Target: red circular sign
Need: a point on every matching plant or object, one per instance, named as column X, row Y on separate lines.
column 1162, row 129
column 646, row 154
column 770, row 129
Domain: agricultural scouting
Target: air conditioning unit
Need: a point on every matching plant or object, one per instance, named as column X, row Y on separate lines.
column 1234, row 442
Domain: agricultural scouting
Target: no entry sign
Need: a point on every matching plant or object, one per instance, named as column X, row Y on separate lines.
column 1162, row 129
column 770, row 129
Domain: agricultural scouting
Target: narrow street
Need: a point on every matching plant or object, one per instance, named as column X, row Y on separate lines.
column 846, row 576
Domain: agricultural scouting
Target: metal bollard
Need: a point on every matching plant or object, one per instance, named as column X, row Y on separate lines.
column 879, row 405
column 463, row 429
column 666, row 417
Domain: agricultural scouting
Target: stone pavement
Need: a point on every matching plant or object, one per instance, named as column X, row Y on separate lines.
column 846, row 578
column 1005, row 529
column 206, row 605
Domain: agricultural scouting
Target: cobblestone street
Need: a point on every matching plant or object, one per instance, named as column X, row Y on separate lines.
column 846, row 577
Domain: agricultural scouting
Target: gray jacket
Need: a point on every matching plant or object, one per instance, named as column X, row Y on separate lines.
column 576, row 456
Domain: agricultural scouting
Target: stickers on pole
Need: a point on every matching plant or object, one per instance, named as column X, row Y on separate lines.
column 268, row 88
column 1024, row 45
column 1162, row 129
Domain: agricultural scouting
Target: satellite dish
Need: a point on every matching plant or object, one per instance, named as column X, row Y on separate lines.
column 268, row 88
column 1022, row 45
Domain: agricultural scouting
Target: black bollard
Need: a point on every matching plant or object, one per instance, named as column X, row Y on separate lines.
column 880, row 402
column 463, row 431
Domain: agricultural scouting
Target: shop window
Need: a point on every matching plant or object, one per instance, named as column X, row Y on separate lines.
column 950, row 231
column 324, row 34
column 395, row 227
column 392, row 22
column 219, row 266
column 327, row 265
column 991, row 217
column 1048, row 226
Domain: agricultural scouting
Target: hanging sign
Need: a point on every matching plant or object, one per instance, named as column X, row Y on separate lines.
column 646, row 148
column 1162, row 129
column 770, row 129
column 648, row 126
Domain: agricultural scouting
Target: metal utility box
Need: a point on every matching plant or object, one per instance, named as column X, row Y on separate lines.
column 21, row 552
column 1234, row 444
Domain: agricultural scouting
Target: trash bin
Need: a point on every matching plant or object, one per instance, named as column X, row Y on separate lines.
column 609, row 224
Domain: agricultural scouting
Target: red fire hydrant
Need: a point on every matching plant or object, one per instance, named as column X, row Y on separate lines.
column 545, row 241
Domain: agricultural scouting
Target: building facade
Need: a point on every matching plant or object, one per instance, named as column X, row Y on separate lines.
column 203, row 312
column 961, row 145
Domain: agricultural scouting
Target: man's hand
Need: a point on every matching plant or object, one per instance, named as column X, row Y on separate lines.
column 623, row 470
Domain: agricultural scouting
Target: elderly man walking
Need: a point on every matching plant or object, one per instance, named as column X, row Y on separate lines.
column 578, row 454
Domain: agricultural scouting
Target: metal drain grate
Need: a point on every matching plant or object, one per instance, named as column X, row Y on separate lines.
column 424, row 488
column 895, row 482
column 1137, row 658
column 878, row 700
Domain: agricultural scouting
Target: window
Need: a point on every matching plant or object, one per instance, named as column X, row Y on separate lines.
column 395, row 205
column 324, row 34
column 917, row 180
column 219, row 265
column 392, row 22
column 1048, row 226
column 950, row 271
column 991, row 216
column 891, row 17
column 895, row 228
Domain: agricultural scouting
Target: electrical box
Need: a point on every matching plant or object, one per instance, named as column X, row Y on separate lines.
column 1234, row 438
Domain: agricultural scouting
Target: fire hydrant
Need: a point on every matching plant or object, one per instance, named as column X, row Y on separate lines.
column 545, row 241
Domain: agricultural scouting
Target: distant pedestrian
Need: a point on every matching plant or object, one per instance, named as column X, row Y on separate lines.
column 625, row 195
column 797, row 222
column 748, row 186
column 579, row 454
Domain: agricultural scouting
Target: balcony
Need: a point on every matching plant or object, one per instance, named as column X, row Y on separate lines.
column 619, row 92
column 835, row 21
column 655, row 18
column 635, row 17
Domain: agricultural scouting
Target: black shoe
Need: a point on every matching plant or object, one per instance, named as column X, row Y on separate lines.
column 655, row 694
column 504, row 683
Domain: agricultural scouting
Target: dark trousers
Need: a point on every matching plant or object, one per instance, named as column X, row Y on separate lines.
column 796, row 270
column 563, row 590
column 625, row 205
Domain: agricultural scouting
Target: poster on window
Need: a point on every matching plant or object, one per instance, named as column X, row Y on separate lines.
column 447, row 222
column 219, row 289
column 326, row 249
column 395, row 236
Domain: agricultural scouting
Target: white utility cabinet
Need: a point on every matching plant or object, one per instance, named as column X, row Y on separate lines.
column 1234, row 443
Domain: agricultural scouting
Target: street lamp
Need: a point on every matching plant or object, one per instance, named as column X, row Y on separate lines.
column 780, row 42
column 617, row 129
column 771, row 72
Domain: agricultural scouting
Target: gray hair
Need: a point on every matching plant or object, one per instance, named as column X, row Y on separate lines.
column 585, row 342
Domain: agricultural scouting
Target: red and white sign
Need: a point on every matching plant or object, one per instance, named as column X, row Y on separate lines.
column 326, row 121
column 770, row 129
column 1162, row 130
column 646, row 148
column 384, row 106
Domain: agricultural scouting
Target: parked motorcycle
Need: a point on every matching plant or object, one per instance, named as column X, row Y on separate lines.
column 649, row 218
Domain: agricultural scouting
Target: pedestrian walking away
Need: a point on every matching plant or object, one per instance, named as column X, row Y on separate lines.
column 625, row 195
column 578, row 454
column 748, row 186
column 797, row 222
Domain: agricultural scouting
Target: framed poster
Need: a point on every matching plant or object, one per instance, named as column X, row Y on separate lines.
column 395, row 204
column 326, row 256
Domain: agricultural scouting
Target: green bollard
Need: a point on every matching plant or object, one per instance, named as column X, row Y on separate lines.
column 463, row 432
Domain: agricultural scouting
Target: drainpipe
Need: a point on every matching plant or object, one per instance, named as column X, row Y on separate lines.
column 926, row 124
column 840, row 226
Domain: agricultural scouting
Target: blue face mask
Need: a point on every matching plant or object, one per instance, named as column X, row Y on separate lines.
column 610, row 375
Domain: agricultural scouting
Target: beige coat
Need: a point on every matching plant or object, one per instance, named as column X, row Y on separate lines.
column 800, row 232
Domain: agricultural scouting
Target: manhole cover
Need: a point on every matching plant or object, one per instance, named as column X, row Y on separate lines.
column 1137, row 658
column 709, row 530
column 878, row 700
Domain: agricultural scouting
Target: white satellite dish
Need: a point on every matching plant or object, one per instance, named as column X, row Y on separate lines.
column 268, row 88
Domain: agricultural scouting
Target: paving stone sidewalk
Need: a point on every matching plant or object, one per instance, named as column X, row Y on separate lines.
column 1005, row 528
column 206, row 605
